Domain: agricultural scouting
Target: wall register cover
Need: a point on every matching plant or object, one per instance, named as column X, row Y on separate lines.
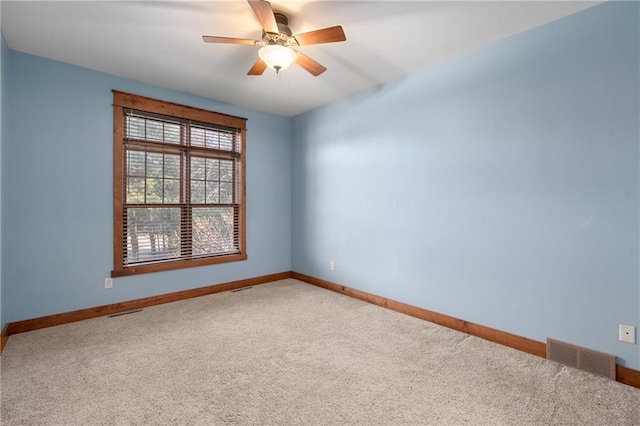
column 581, row 358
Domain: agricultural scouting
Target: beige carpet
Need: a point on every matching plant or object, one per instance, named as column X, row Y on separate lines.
column 289, row 353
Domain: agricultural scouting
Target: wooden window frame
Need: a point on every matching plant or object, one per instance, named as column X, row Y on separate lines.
column 123, row 101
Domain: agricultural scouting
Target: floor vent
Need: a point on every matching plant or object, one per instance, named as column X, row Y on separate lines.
column 581, row 358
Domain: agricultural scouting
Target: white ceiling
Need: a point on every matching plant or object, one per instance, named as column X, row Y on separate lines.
column 160, row 42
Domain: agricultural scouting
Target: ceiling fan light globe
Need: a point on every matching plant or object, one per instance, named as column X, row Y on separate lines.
column 277, row 57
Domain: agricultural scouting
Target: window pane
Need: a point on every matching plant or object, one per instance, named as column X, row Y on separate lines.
column 197, row 136
column 151, row 234
column 226, row 171
column 154, row 164
column 213, row 169
column 135, row 190
column 154, row 130
column 197, row 168
column 172, row 191
column 134, row 127
column 135, row 163
column 157, row 130
column 212, row 139
column 158, row 168
column 226, row 141
column 171, row 166
column 226, row 193
column 213, row 231
column 197, row 192
column 154, row 190
column 172, row 133
column 212, row 193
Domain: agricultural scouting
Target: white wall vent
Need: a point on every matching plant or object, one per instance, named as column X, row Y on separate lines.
column 581, row 358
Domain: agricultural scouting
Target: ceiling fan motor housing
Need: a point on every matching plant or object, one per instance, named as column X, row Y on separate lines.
column 285, row 35
column 283, row 23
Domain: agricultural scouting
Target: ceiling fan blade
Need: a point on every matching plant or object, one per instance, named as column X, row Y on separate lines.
column 258, row 68
column 325, row 35
column 265, row 15
column 229, row 40
column 309, row 64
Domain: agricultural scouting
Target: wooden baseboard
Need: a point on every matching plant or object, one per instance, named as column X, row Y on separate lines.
column 628, row 376
column 4, row 337
column 624, row 375
column 116, row 308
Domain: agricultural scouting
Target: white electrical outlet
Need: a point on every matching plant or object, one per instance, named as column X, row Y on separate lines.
column 332, row 266
column 108, row 283
column 627, row 333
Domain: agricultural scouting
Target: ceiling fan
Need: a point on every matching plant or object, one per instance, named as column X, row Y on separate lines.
column 278, row 42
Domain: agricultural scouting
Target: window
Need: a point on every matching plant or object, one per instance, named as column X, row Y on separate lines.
column 179, row 196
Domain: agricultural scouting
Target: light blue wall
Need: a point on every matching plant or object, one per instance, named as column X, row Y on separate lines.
column 3, row 111
column 500, row 187
column 59, row 201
